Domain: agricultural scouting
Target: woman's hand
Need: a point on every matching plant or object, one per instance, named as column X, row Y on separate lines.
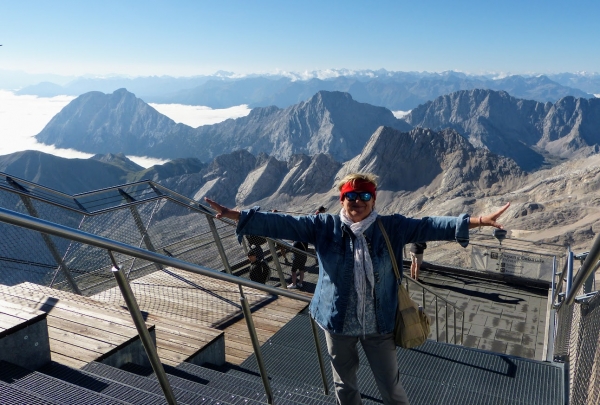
column 488, row 220
column 223, row 212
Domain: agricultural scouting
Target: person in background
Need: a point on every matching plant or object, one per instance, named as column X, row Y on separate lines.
column 259, row 270
column 416, row 257
column 355, row 298
column 321, row 210
column 298, row 264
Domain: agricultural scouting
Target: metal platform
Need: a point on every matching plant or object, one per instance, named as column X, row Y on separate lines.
column 435, row 373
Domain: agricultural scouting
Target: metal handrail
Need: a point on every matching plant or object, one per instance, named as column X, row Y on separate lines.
column 558, row 285
column 446, row 302
column 40, row 225
column 587, row 269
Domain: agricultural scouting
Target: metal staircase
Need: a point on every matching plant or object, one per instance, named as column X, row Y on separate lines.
column 284, row 369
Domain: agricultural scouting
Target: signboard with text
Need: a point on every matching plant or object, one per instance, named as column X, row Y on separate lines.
column 498, row 260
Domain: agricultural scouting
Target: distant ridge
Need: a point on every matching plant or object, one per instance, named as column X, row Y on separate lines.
column 393, row 90
column 524, row 130
column 70, row 176
column 328, row 122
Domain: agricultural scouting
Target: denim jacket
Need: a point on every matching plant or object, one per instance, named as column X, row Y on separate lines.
column 334, row 242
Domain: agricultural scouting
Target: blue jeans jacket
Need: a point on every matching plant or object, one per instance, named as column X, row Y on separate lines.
column 334, row 242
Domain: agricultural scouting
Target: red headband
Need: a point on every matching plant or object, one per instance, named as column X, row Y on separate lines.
column 358, row 185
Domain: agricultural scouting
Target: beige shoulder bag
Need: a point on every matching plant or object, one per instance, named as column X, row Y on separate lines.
column 412, row 323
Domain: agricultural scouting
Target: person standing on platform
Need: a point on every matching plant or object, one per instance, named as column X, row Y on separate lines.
column 298, row 264
column 355, row 299
column 416, row 257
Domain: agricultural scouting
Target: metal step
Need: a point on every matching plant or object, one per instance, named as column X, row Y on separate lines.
column 185, row 391
column 122, row 390
column 432, row 373
column 52, row 389
column 11, row 395
column 281, row 391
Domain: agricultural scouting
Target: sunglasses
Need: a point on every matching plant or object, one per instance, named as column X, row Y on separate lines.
column 353, row 196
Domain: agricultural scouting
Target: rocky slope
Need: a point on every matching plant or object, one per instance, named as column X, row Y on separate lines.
column 70, row 176
column 111, row 123
column 527, row 131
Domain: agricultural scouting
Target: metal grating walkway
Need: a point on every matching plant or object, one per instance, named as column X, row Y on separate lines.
column 435, row 373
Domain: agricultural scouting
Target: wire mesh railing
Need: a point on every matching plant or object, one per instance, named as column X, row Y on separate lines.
column 576, row 326
column 112, row 249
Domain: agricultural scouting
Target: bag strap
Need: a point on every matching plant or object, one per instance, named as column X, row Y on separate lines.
column 389, row 246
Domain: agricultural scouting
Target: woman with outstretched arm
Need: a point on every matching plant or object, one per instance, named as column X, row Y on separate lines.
column 356, row 294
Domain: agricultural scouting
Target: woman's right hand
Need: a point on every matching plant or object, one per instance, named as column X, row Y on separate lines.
column 223, row 212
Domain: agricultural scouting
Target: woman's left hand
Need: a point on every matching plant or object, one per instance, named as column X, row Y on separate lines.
column 489, row 220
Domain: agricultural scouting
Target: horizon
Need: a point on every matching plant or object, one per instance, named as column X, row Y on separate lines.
column 187, row 38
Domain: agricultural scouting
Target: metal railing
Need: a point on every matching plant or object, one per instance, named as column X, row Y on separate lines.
column 447, row 303
column 575, row 326
column 36, row 224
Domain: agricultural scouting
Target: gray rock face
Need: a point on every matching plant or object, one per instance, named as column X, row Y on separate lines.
column 262, row 181
column 572, row 127
column 524, row 130
column 113, row 123
column 422, row 167
column 329, row 122
column 119, row 160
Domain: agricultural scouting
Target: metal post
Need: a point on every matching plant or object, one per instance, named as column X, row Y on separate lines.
column 454, row 312
column 277, row 264
column 569, row 272
column 140, row 325
column 553, row 276
column 221, row 249
column 437, row 325
column 139, row 224
column 47, row 240
column 447, row 328
column 257, row 351
column 423, row 299
column 313, row 325
column 51, row 284
column 462, row 328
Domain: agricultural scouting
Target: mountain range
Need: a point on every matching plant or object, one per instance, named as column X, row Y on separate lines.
column 393, row 90
column 534, row 134
column 469, row 150
column 329, row 122
column 422, row 172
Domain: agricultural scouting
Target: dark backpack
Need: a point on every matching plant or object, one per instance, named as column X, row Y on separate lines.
column 259, row 272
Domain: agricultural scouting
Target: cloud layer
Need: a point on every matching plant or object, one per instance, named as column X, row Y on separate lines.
column 23, row 117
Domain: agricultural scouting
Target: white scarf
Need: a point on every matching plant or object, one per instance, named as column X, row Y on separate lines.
column 363, row 266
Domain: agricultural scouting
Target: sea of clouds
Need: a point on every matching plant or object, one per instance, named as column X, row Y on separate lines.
column 23, row 117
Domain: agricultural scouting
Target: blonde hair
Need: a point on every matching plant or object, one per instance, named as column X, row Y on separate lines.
column 352, row 177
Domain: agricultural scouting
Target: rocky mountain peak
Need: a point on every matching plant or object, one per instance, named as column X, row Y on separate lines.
column 118, row 159
column 530, row 132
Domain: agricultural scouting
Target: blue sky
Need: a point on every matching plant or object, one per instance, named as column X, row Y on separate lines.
column 183, row 38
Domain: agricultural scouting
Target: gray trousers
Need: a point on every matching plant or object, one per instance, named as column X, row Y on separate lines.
column 381, row 354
